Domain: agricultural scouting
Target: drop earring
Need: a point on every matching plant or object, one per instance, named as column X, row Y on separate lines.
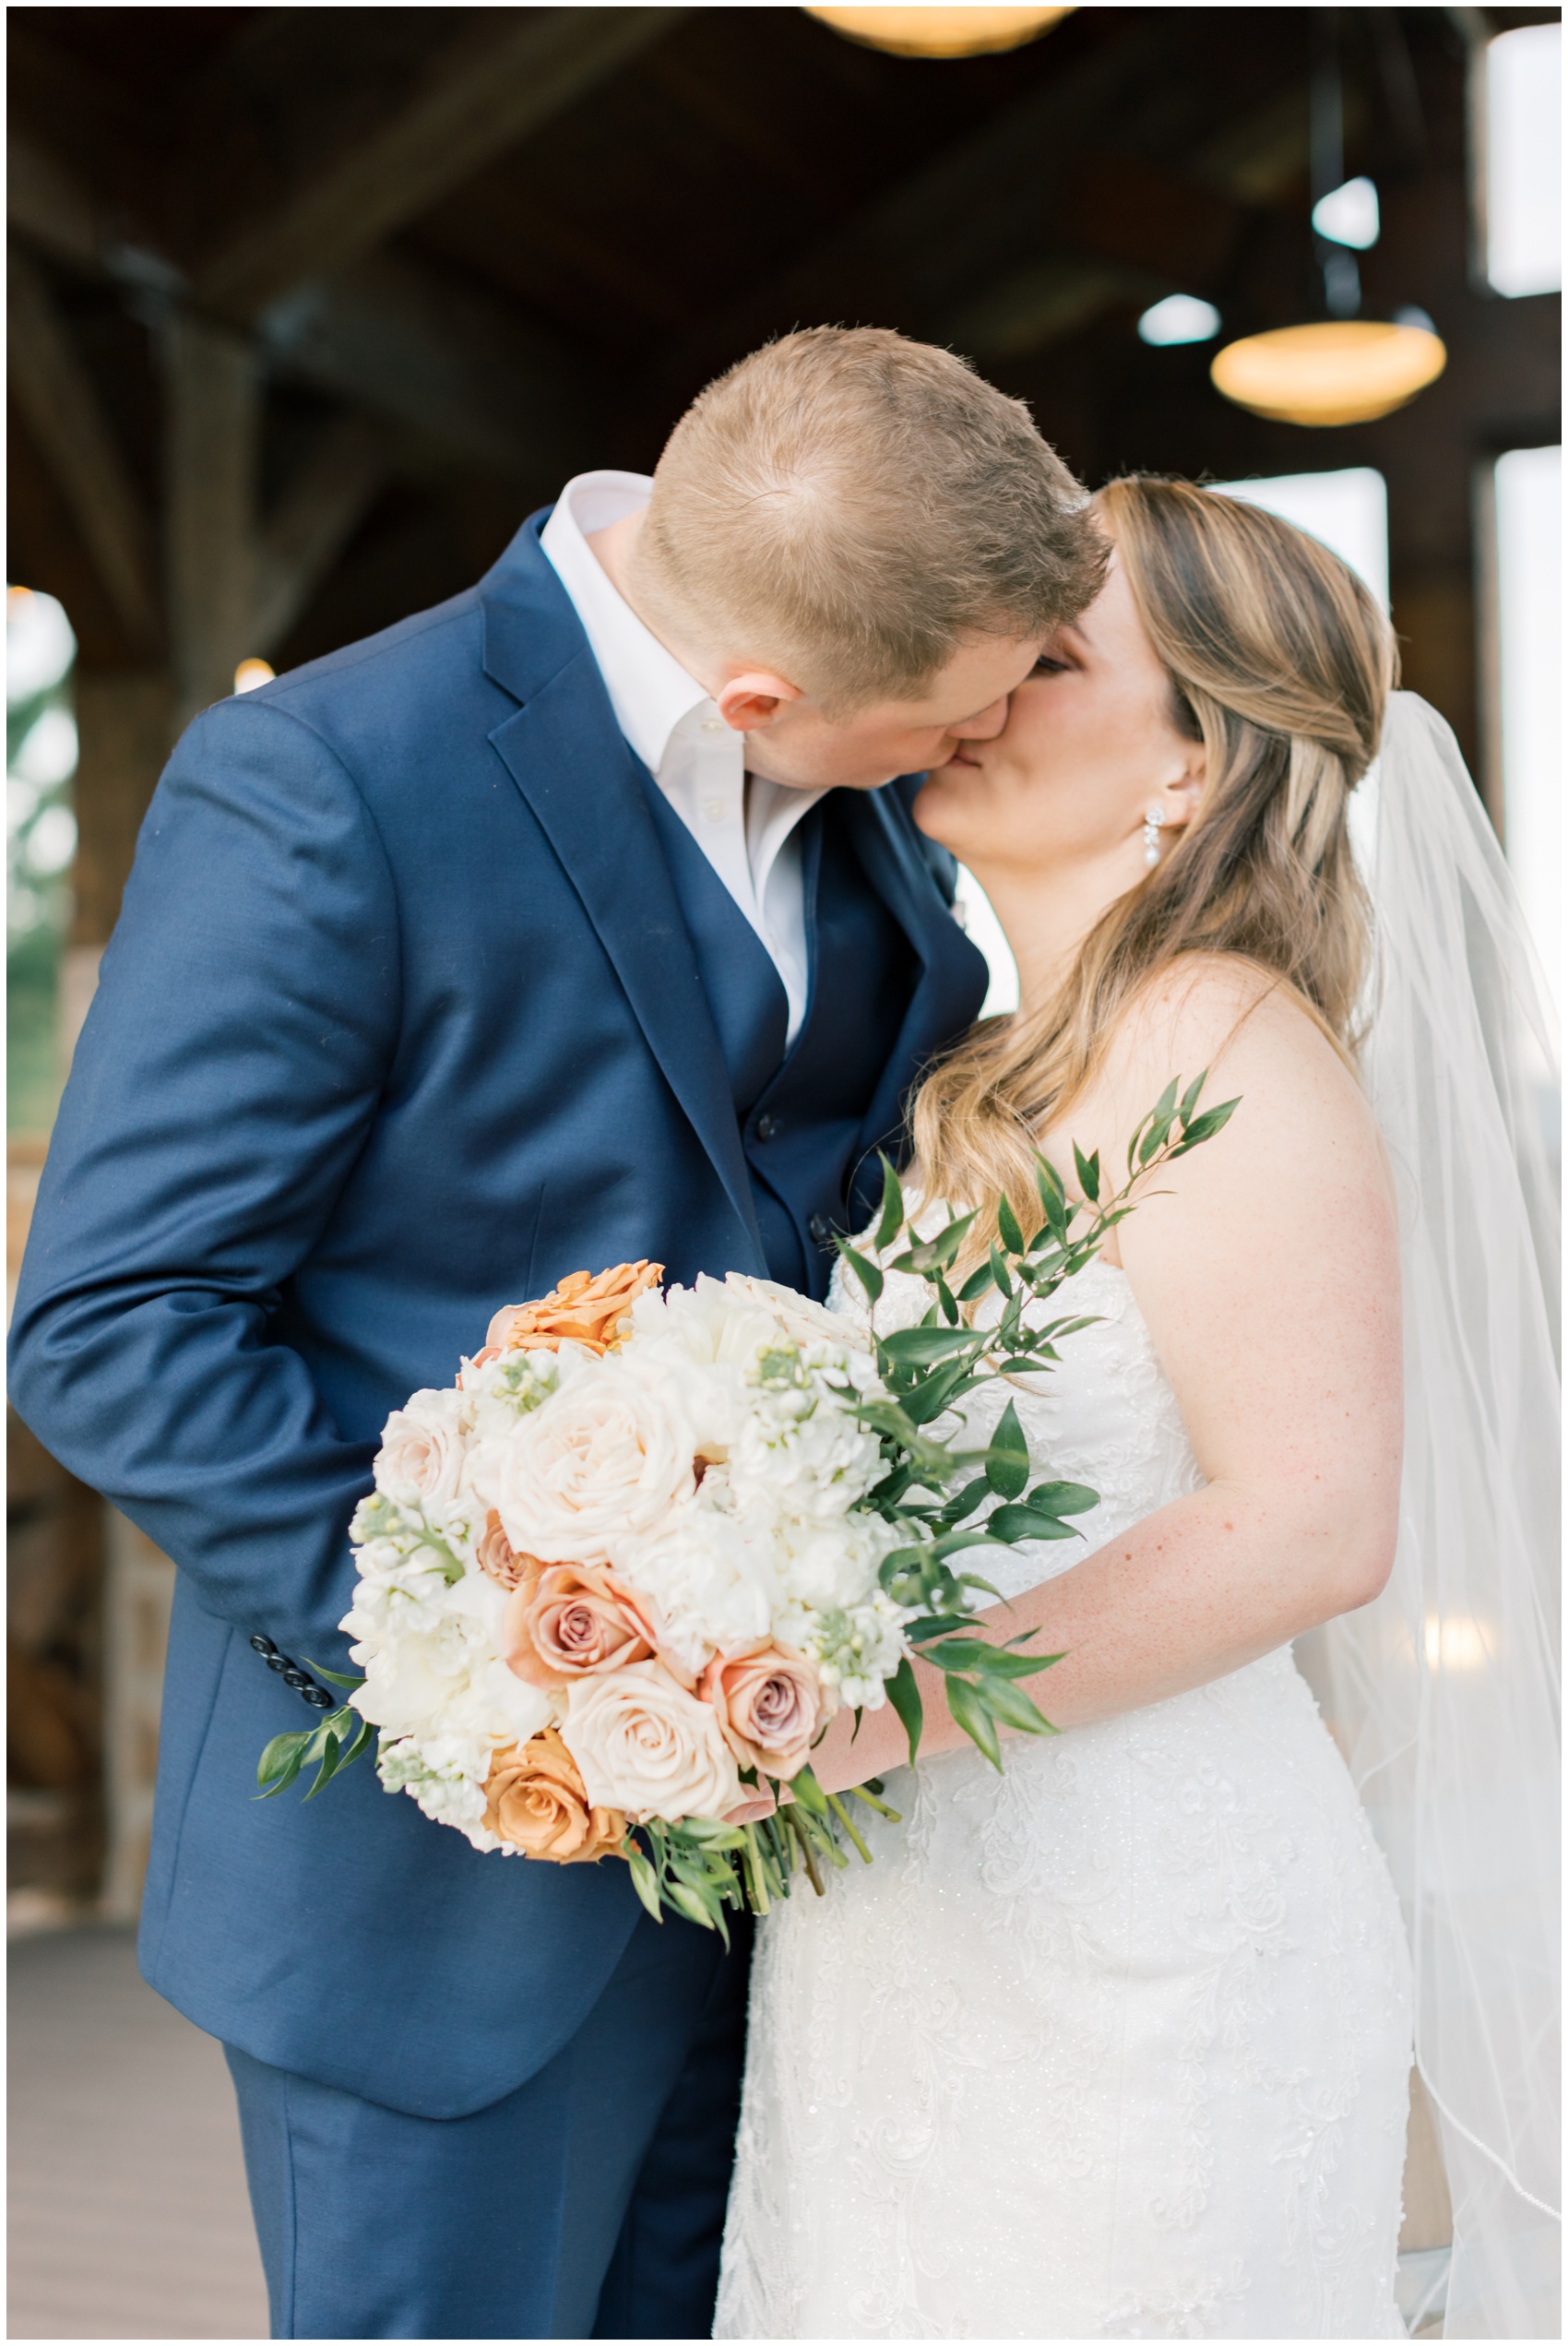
column 1153, row 823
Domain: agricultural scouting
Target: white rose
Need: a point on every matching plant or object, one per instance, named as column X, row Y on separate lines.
column 605, row 1462
column 645, row 1745
column 421, row 1448
column 714, row 1580
column 404, row 1687
column 807, row 1322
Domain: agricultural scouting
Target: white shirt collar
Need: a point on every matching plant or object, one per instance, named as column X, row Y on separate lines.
column 650, row 690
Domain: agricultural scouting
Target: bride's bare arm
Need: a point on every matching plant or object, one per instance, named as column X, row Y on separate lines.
column 1267, row 1273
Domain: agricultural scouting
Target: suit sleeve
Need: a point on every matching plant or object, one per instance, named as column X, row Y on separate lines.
column 224, row 1084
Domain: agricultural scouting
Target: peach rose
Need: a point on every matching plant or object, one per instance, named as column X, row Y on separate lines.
column 587, row 1308
column 770, row 1704
column 574, row 1620
column 534, row 1798
column 495, row 1554
column 645, row 1745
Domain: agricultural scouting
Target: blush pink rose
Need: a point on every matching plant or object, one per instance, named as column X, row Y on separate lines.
column 495, row 1554
column 770, row 1704
column 574, row 1620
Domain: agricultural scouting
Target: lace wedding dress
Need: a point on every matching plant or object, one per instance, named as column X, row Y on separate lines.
column 1113, row 2045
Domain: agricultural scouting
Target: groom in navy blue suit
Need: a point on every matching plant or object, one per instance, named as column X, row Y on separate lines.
column 562, row 924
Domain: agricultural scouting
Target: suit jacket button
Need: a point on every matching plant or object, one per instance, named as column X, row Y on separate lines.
column 297, row 1678
column 276, row 1661
column 262, row 1645
column 820, row 1229
column 769, row 1127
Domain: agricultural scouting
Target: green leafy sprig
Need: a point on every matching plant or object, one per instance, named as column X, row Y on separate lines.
column 931, row 1368
column 335, row 1742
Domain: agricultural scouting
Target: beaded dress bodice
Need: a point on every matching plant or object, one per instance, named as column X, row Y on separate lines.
column 1113, row 2044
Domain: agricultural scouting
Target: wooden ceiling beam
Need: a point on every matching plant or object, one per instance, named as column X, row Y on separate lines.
column 391, row 335
column 57, row 397
column 492, row 90
column 320, row 509
column 426, row 352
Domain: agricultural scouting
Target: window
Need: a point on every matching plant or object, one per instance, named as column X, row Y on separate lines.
column 1522, row 143
column 1527, row 554
column 1348, row 511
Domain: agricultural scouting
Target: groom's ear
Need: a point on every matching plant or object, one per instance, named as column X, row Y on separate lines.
column 751, row 701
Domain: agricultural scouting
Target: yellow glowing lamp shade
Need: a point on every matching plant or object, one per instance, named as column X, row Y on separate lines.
column 941, row 33
column 1341, row 371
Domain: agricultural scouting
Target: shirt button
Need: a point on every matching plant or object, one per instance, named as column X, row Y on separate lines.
column 769, row 1127
column 820, row 1229
column 714, row 725
column 715, row 809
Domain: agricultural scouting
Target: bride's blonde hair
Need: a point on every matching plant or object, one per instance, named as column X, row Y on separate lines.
column 1281, row 663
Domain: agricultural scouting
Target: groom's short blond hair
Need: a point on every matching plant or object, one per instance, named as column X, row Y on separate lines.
column 850, row 508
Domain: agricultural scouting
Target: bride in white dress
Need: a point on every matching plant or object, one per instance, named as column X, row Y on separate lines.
column 1117, row 2043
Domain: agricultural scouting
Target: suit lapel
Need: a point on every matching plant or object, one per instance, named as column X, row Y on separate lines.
column 569, row 759
column 952, row 977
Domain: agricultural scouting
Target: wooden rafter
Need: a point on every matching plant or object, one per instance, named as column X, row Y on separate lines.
column 319, row 512
column 57, row 397
column 494, row 91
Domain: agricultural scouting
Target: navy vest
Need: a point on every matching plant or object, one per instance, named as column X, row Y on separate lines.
column 801, row 1114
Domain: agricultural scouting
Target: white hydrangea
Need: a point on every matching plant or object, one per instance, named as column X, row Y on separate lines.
column 857, row 1648
column 447, row 1778
column 496, row 1395
column 798, row 1447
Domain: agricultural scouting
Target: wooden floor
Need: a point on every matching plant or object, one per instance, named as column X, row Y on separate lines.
column 128, row 2215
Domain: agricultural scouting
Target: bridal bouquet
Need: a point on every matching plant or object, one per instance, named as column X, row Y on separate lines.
column 615, row 1580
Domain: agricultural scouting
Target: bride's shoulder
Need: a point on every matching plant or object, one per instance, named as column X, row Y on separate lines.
column 1208, row 1009
column 1255, row 1036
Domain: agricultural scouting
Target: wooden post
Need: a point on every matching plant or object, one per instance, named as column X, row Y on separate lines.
column 214, row 408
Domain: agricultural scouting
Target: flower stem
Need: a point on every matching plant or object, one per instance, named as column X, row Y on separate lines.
column 842, row 1814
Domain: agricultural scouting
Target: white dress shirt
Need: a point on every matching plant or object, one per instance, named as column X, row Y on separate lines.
column 746, row 827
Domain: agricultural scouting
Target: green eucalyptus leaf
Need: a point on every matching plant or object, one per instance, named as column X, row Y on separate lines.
column 970, row 1713
column 1062, row 1498
column 1012, row 1523
column 932, row 1395
column 977, row 1654
column 905, row 1697
column 1014, row 1707
column 645, row 1881
column 937, row 1624
column 329, row 1751
column 938, row 1253
column 923, row 1347
column 690, row 1902
column 1008, row 1227
column 999, row 1273
column 892, row 1218
column 965, row 1502
column 1189, row 1099
column 974, row 1287
column 276, row 1769
column 866, row 1272
column 1007, row 1462
column 1203, row 1128
column 1088, row 1170
column 334, row 1677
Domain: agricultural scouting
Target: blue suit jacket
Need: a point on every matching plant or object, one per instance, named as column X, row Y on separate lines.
column 400, row 1022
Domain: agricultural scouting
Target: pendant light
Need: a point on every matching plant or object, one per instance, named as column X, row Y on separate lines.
column 1342, row 368
column 941, row 33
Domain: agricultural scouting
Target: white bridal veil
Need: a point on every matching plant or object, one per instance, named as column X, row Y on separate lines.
column 1446, row 1692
